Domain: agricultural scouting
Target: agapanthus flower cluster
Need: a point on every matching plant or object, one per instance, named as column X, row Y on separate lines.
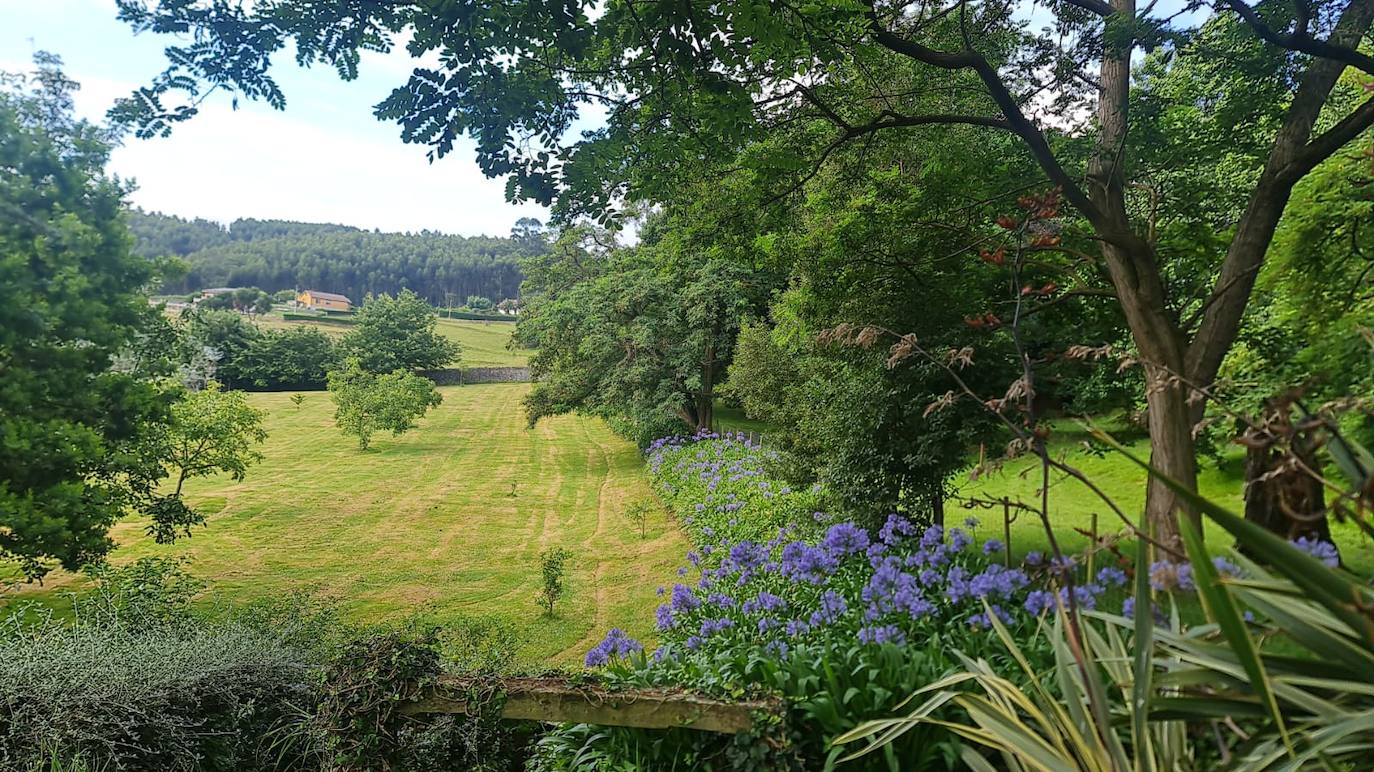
column 772, row 571
column 1324, row 551
column 720, row 484
column 844, row 584
column 615, row 644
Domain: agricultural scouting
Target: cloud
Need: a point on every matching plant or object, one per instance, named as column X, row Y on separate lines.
column 322, row 160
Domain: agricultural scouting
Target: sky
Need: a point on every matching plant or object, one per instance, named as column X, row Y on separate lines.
column 324, row 159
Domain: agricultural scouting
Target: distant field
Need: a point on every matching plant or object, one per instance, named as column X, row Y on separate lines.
column 484, row 343
column 449, row 518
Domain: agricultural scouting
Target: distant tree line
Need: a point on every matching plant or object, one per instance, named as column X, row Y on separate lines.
column 277, row 255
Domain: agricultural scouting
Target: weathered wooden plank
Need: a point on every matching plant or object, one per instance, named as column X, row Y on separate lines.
column 558, row 700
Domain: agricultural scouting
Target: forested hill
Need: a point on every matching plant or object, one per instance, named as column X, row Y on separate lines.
column 278, row 254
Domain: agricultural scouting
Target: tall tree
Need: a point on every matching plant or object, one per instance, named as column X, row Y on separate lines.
column 683, row 82
column 72, row 427
column 398, row 333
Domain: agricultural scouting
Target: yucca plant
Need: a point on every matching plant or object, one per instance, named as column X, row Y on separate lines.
column 1300, row 680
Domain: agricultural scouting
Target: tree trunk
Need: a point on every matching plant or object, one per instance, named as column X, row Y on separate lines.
column 1270, row 497
column 1171, row 452
column 706, row 412
column 1291, row 503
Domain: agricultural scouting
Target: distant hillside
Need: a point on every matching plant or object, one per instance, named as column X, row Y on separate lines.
column 278, row 254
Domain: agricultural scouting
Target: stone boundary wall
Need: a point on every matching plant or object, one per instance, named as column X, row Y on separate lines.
column 454, row 376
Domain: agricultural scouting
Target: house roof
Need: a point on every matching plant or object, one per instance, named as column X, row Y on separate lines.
column 328, row 296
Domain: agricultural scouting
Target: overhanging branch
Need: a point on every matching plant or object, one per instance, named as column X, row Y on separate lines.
column 1301, row 41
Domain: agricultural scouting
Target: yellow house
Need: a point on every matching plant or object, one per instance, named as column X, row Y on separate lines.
column 324, row 300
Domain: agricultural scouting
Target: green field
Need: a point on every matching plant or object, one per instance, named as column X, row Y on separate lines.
column 484, row 343
column 1072, row 505
column 448, row 519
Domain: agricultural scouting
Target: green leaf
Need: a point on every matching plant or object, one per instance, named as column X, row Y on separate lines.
column 1221, row 608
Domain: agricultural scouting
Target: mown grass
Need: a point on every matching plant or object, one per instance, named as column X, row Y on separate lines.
column 448, row 519
column 485, row 344
column 1072, row 505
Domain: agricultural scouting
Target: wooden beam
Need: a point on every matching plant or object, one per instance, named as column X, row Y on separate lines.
column 558, row 700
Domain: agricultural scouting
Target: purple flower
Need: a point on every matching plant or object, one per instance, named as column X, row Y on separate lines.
column 764, row 601
column 1084, row 595
column 804, row 563
column 1039, row 601
column 881, row 634
column 1166, row 575
column 993, row 546
column 1111, row 576
column 845, row 539
column 664, row 617
column 796, row 627
column 997, row 580
column 1323, row 551
column 982, row 620
column 958, row 540
column 892, row 589
column 971, row 523
column 684, row 599
column 615, row 644
column 1063, row 564
column 832, row 607
column 934, row 536
column 895, row 529
column 712, row 626
column 1226, row 567
column 1035, row 558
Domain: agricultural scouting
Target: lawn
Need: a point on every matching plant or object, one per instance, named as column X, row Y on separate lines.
column 449, row 519
column 1072, row 504
column 484, row 343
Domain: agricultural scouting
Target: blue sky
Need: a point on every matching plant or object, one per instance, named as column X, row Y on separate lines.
column 324, row 159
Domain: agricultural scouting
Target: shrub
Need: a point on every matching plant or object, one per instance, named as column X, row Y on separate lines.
column 140, row 682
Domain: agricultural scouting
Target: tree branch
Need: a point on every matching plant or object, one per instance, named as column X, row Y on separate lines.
column 1301, row 41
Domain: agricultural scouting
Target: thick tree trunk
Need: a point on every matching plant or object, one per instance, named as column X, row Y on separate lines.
column 1290, row 503
column 1135, row 274
column 706, row 411
column 1172, row 452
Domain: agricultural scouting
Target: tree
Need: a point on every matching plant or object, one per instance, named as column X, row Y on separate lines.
column 367, row 402
column 212, row 431
column 638, row 335
column 398, row 334
column 225, row 337
column 296, row 358
column 479, row 303
column 680, row 83
column 552, row 568
column 73, row 428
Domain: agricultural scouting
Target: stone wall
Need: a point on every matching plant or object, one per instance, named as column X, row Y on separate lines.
column 453, row 376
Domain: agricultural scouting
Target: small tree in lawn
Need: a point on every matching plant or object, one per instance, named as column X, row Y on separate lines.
column 211, row 431
column 297, row 400
column 638, row 514
column 553, row 566
column 367, row 402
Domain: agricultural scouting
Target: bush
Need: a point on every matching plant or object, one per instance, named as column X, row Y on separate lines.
column 140, row 682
